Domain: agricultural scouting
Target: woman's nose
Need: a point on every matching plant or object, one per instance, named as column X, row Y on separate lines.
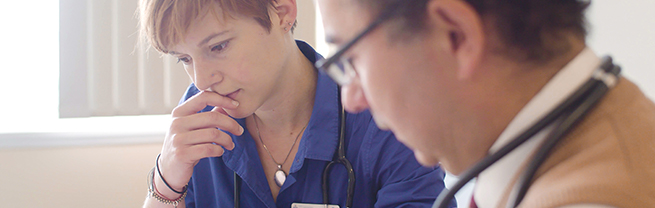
column 353, row 98
column 206, row 75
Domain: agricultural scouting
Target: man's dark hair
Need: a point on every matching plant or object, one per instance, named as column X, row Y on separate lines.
column 531, row 30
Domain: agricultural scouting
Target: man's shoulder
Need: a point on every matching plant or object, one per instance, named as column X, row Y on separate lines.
column 605, row 158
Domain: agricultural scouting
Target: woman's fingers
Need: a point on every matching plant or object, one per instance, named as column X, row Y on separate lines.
column 199, row 151
column 210, row 119
column 202, row 100
column 193, row 136
column 203, row 136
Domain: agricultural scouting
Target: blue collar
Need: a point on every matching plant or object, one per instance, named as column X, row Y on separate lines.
column 322, row 135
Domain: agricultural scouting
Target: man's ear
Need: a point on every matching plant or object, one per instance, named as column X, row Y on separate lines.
column 286, row 11
column 465, row 32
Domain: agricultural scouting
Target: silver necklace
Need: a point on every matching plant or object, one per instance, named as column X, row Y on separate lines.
column 280, row 176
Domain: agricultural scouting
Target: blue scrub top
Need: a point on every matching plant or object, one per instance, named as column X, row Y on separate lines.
column 386, row 172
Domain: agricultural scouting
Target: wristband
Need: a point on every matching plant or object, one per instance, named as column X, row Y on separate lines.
column 162, row 178
column 152, row 191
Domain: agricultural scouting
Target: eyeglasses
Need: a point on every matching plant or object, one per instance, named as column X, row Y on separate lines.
column 339, row 68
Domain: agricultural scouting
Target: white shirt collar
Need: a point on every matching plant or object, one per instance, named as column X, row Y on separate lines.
column 493, row 181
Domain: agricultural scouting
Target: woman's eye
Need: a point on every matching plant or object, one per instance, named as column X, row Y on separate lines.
column 184, row 60
column 219, row 47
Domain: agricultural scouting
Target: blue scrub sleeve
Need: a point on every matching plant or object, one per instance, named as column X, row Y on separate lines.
column 404, row 182
column 189, row 200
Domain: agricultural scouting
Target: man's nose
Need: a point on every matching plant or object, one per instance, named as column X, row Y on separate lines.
column 206, row 74
column 353, row 98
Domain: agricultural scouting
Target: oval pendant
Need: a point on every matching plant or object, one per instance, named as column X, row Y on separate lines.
column 280, row 177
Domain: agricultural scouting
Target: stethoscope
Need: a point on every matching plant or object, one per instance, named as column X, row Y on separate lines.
column 340, row 158
column 570, row 112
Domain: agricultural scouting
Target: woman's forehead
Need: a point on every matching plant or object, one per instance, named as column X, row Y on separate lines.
column 209, row 18
column 171, row 23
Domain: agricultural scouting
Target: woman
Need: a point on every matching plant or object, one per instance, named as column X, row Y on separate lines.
column 278, row 117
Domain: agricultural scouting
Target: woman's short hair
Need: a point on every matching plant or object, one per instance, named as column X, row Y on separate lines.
column 531, row 30
column 164, row 22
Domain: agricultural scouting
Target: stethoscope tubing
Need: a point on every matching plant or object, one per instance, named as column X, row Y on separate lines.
column 341, row 159
column 237, row 190
column 564, row 127
column 584, row 98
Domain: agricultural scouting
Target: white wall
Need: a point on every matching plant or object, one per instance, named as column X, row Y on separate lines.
column 626, row 31
column 92, row 176
column 306, row 28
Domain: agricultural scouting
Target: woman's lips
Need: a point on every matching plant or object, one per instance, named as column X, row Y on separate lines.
column 233, row 95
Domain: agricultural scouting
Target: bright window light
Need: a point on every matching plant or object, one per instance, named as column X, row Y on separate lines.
column 29, row 79
column 321, row 46
column 30, row 49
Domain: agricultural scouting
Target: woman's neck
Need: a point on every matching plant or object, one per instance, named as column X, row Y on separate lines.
column 290, row 106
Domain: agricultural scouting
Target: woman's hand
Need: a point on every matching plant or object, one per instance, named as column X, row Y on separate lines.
column 193, row 136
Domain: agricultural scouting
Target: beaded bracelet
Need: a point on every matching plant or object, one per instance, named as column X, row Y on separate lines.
column 154, row 193
column 162, row 178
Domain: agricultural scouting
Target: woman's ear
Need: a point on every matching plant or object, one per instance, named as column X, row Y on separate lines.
column 465, row 32
column 286, row 11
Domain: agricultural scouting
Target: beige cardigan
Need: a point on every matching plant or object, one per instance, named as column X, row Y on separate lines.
column 609, row 158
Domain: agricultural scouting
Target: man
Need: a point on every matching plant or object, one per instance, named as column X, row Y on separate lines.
column 456, row 80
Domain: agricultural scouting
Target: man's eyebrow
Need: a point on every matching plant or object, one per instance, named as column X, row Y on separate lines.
column 208, row 38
